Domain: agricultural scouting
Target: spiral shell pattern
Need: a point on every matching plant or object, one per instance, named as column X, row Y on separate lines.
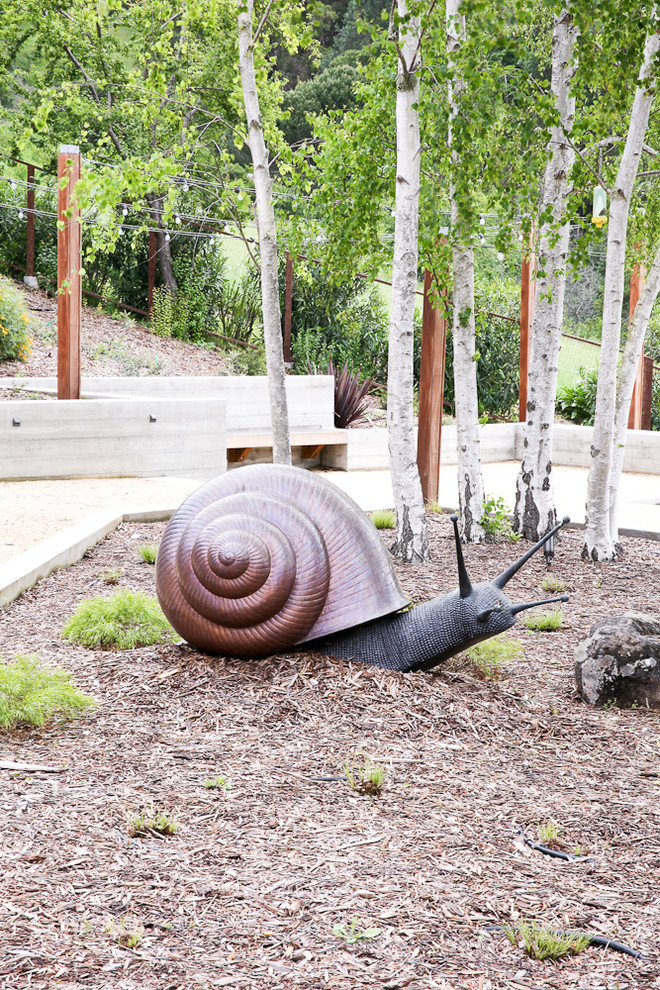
column 266, row 557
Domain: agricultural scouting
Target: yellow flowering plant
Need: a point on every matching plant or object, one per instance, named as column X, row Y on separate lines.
column 15, row 338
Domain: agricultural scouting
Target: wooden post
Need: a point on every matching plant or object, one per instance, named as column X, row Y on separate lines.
column 69, row 285
column 635, row 415
column 152, row 273
column 431, row 394
column 288, row 307
column 527, row 300
column 29, row 264
column 647, row 393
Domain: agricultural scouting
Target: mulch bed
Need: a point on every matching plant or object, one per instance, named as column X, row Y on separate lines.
column 250, row 887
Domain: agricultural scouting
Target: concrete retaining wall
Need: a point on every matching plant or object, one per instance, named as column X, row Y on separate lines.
column 112, row 438
column 311, row 398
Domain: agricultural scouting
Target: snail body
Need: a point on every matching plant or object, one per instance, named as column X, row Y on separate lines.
column 267, row 557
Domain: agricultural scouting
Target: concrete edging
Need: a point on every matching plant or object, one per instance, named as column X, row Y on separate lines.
column 67, row 547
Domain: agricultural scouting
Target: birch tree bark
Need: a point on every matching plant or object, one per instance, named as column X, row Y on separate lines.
column 470, row 480
column 600, row 539
column 534, row 511
column 411, row 534
column 632, row 352
column 267, row 242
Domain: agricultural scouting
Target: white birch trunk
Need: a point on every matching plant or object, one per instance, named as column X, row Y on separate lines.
column 632, row 353
column 270, row 296
column 600, row 540
column 470, row 479
column 534, row 512
column 411, row 535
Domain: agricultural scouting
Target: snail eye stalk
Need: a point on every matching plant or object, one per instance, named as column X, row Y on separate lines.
column 506, row 575
column 545, row 601
column 464, row 583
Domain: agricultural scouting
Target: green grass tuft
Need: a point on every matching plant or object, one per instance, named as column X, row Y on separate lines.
column 548, row 832
column 364, row 776
column 541, row 942
column 124, row 621
column 352, row 932
column 30, row 694
column 150, row 822
column 545, row 621
column 488, row 658
column 384, row 519
column 148, row 552
column 553, row 584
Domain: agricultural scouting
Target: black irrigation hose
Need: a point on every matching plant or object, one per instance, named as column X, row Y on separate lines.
column 319, row 780
column 597, row 940
column 552, row 852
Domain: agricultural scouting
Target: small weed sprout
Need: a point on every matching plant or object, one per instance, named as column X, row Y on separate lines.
column 131, row 939
column 364, row 776
column 488, row 658
column 122, row 622
column 541, row 942
column 553, row 584
column 215, row 783
column 151, row 822
column 384, row 519
column 548, row 832
column 434, row 506
column 545, row 621
column 496, row 520
column 148, row 552
column 111, row 577
column 352, row 933
column 30, row 694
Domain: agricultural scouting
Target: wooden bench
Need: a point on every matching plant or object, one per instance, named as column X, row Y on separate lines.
column 311, row 441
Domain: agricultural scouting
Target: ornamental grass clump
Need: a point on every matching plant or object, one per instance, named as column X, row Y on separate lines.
column 488, row 658
column 15, row 339
column 383, row 519
column 122, row 622
column 545, row 621
column 30, row 694
column 541, row 942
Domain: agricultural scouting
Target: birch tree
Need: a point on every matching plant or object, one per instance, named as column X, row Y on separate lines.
column 601, row 535
column 534, row 511
column 470, row 480
column 267, row 235
column 411, row 534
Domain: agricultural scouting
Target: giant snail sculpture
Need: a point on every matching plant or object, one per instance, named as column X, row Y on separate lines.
column 267, row 558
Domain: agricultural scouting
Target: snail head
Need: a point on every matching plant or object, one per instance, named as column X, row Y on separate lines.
column 487, row 602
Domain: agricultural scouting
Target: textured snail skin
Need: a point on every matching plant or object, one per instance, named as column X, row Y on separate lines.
column 269, row 557
column 423, row 637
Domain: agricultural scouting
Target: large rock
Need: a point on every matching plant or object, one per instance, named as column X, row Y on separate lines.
column 619, row 663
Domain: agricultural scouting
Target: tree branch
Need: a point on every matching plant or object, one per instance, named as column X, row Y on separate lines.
column 261, row 25
column 90, row 83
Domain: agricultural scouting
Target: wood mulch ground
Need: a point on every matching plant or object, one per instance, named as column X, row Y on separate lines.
column 255, row 879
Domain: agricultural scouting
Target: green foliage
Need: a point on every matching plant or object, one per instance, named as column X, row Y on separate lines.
column 150, row 822
column 364, row 776
column 545, row 621
column 577, row 401
column 352, row 932
column 15, row 340
column 496, row 520
column 345, row 322
column 542, row 942
column 488, row 658
column 331, row 89
column 148, row 552
column 553, row 584
column 31, row 694
column 248, row 360
column 111, row 577
column 548, row 832
column 122, row 622
column 218, row 783
column 192, row 312
column 497, row 348
column 384, row 519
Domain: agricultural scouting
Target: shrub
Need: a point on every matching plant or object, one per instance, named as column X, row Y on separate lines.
column 577, row 401
column 124, row 621
column 15, row 339
column 496, row 520
column 32, row 695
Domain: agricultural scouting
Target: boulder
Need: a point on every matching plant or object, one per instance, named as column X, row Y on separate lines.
column 619, row 662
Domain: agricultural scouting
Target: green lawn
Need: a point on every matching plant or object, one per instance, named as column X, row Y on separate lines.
column 575, row 354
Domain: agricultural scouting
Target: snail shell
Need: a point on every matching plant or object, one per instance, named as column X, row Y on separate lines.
column 266, row 557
